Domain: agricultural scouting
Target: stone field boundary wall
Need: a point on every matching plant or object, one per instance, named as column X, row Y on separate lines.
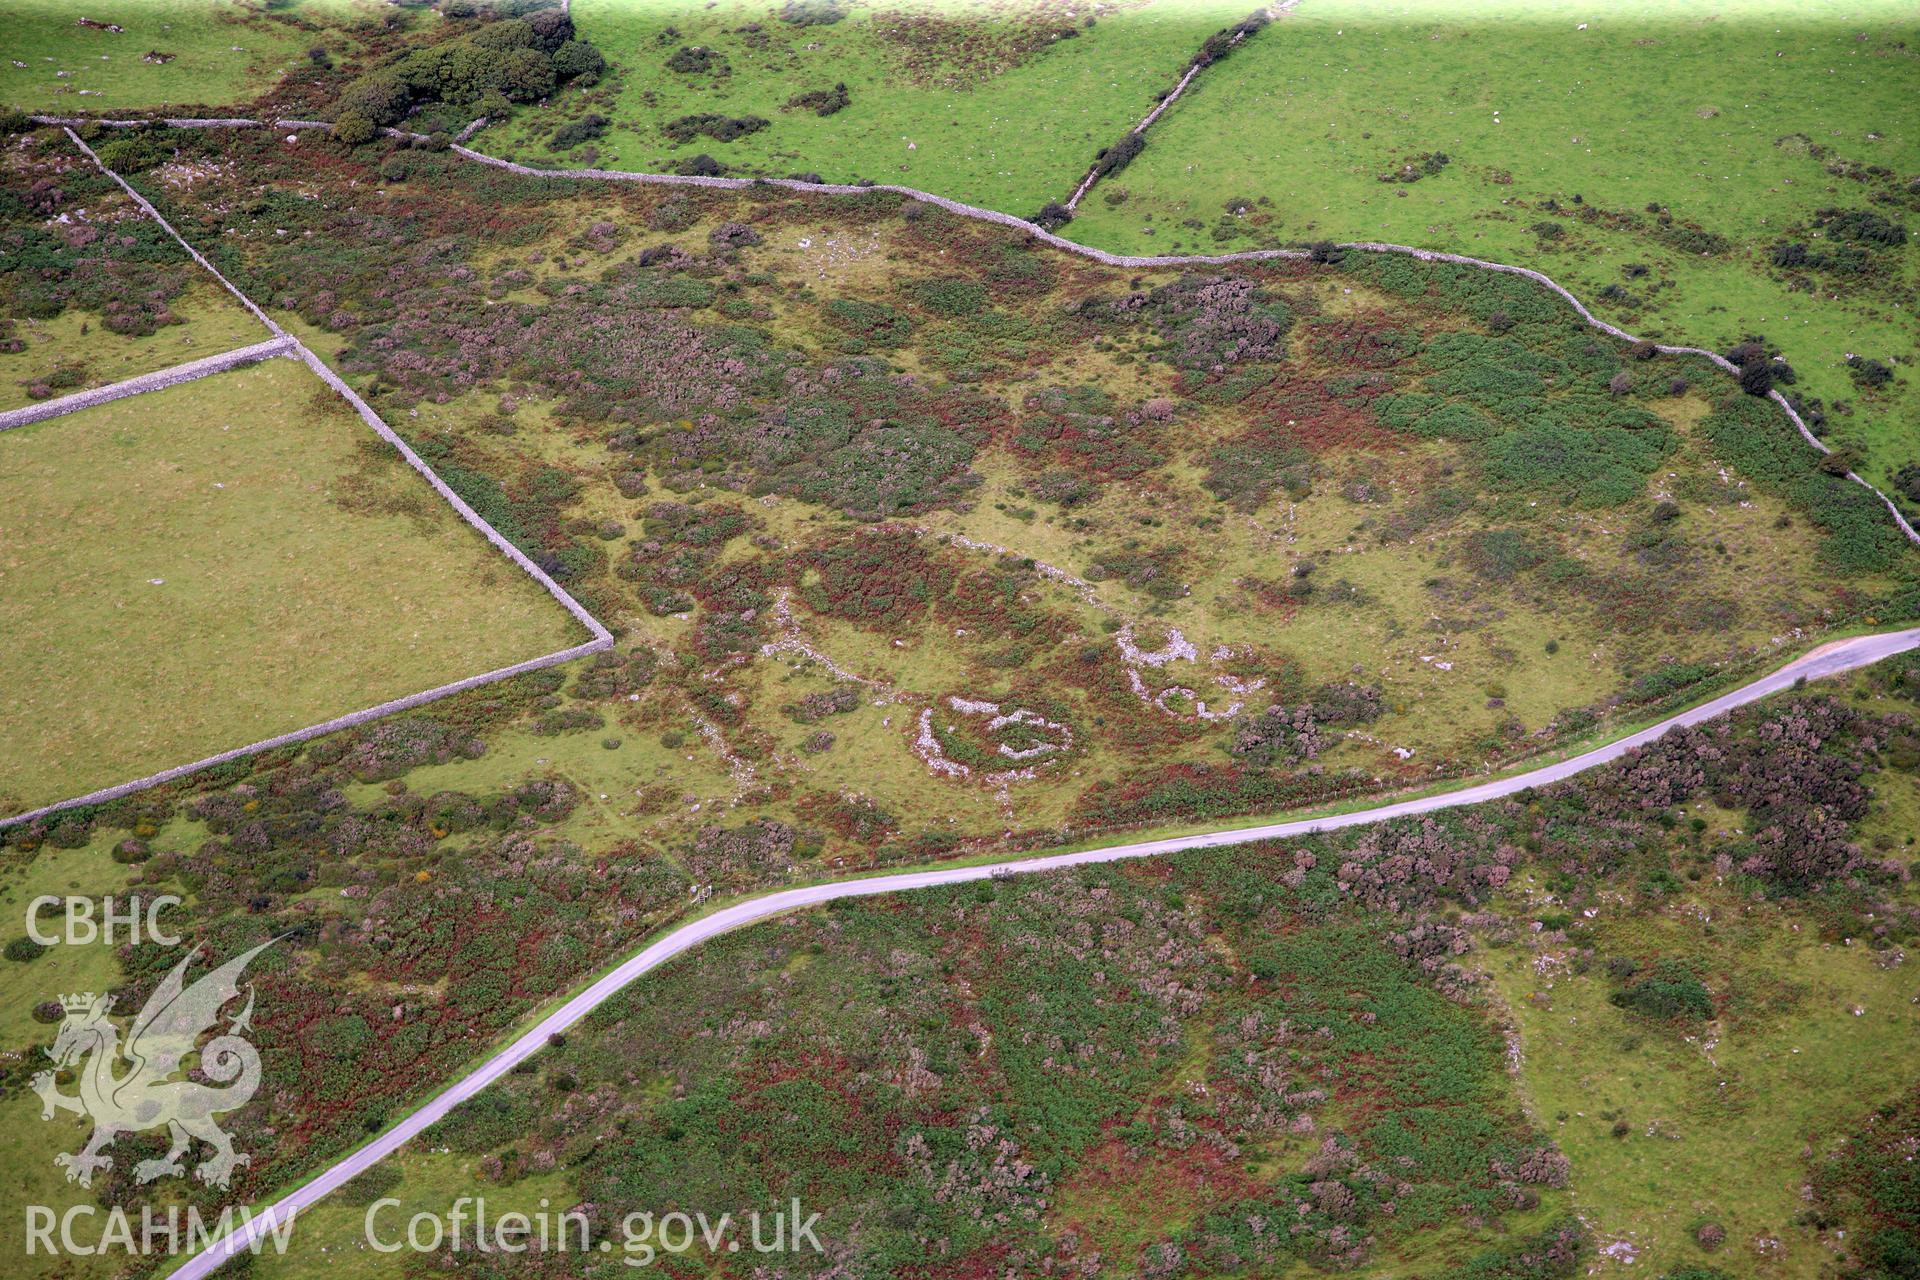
column 286, row 344
column 158, row 380
column 1028, row 228
column 602, row 637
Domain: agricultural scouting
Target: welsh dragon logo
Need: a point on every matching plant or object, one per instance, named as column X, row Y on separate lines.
column 145, row 1097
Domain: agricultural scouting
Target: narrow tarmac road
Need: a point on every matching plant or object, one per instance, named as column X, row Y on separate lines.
column 1829, row 660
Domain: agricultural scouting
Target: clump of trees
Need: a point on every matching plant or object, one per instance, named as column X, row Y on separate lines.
column 1757, row 372
column 1862, row 226
column 485, row 70
column 1906, row 482
column 1868, row 374
column 1296, row 731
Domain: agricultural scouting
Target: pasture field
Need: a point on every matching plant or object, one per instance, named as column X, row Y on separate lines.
column 1001, row 105
column 68, row 353
column 1698, row 176
column 214, row 52
column 1825, row 1033
column 201, row 567
column 1668, row 152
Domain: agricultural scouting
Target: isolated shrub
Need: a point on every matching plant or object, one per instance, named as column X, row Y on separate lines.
column 1325, row 251
column 822, row 102
column 1671, row 993
column 1868, row 374
column 1756, row 377
column 24, row 949
column 694, row 60
column 131, row 851
column 354, row 129
column 732, row 235
column 700, row 166
column 1052, row 216
column 719, row 128
column 816, row 707
column 811, row 13
column 1693, row 240
column 1840, row 462
column 585, row 129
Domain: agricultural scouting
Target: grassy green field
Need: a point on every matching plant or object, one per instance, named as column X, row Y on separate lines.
column 201, row 567
column 1742, row 122
column 224, row 51
column 211, row 322
column 974, row 101
column 1717, row 1120
column 1732, row 118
